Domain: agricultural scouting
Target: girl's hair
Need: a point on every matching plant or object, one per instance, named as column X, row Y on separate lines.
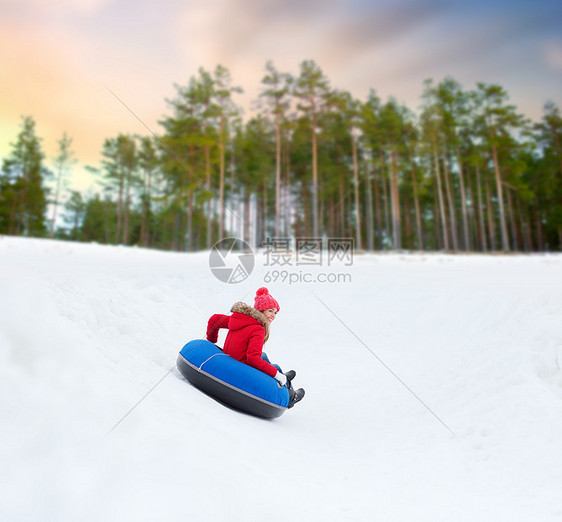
column 266, row 326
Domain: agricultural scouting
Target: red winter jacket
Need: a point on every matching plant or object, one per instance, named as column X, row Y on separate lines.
column 245, row 338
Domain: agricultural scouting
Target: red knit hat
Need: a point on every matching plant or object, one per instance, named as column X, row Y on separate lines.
column 264, row 300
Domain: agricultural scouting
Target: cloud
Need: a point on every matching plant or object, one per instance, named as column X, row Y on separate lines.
column 244, row 34
column 371, row 30
column 58, row 57
column 29, row 6
column 58, row 71
column 232, row 31
column 552, row 53
column 476, row 44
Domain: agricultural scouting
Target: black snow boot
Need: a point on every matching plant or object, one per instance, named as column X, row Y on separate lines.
column 295, row 396
column 291, row 374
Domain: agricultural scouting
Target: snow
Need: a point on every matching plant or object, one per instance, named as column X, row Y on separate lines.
column 414, row 345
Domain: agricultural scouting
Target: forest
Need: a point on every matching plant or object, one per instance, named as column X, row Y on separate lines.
column 463, row 172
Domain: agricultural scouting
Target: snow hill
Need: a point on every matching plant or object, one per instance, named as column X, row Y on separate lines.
column 87, row 331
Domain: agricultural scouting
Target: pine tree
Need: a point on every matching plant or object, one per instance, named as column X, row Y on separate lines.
column 23, row 196
column 312, row 88
column 225, row 110
column 342, row 127
column 98, row 223
column 278, row 88
column 63, row 162
column 120, row 164
column 371, row 140
column 496, row 119
column 255, row 146
column 549, row 136
column 393, row 125
column 148, row 162
column 431, row 130
column 471, row 177
column 75, row 209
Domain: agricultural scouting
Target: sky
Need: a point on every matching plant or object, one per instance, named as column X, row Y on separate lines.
column 97, row 68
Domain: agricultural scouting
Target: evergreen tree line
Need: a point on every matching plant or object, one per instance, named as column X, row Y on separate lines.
column 467, row 173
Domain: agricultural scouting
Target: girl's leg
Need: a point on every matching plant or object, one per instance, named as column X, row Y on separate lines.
column 266, row 359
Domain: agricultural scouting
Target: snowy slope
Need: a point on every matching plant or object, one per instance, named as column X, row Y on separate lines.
column 87, row 330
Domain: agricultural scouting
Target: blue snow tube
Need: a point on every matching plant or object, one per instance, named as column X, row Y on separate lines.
column 234, row 383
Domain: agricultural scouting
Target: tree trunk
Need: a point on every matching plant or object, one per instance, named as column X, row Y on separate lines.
column 221, row 178
column 450, row 199
column 334, row 223
column 246, row 232
column 106, row 221
column 315, row 231
column 175, row 232
column 356, row 191
column 143, row 220
column 490, row 210
column 527, row 245
column 341, row 228
column 519, row 223
column 262, row 217
column 378, row 209
column 437, row 219
column 277, row 175
column 369, row 205
column 21, row 222
column 287, row 206
column 190, row 243
column 481, row 221
column 146, row 240
column 208, row 202
column 119, row 209
column 303, row 217
column 471, row 214
column 408, row 236
column 514, row 244
column 395, row 195
column 321, row 210
column 233, row 214
column 540, row 237
column 12, row 222
column 440, row 195
column 467, row 245
column 503, row 226
column 56, row 203
column 472, row 224
column 385, row 190
column 127, row 205
column 417, row 206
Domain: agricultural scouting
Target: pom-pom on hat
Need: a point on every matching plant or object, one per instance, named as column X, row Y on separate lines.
column 264, row 300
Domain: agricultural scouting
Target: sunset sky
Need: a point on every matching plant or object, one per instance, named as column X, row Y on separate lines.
column 61, row 60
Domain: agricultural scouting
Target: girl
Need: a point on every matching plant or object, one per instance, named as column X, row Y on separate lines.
column 248, row 330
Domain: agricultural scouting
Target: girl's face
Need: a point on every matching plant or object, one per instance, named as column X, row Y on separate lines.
column 270, row 314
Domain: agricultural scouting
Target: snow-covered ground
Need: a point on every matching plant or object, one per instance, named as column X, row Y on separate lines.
column 473, row 344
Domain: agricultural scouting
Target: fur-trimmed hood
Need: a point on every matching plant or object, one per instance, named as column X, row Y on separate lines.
column 250, row 311
column 243, row 308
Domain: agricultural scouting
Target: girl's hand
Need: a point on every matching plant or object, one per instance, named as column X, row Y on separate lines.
column 281, row 378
